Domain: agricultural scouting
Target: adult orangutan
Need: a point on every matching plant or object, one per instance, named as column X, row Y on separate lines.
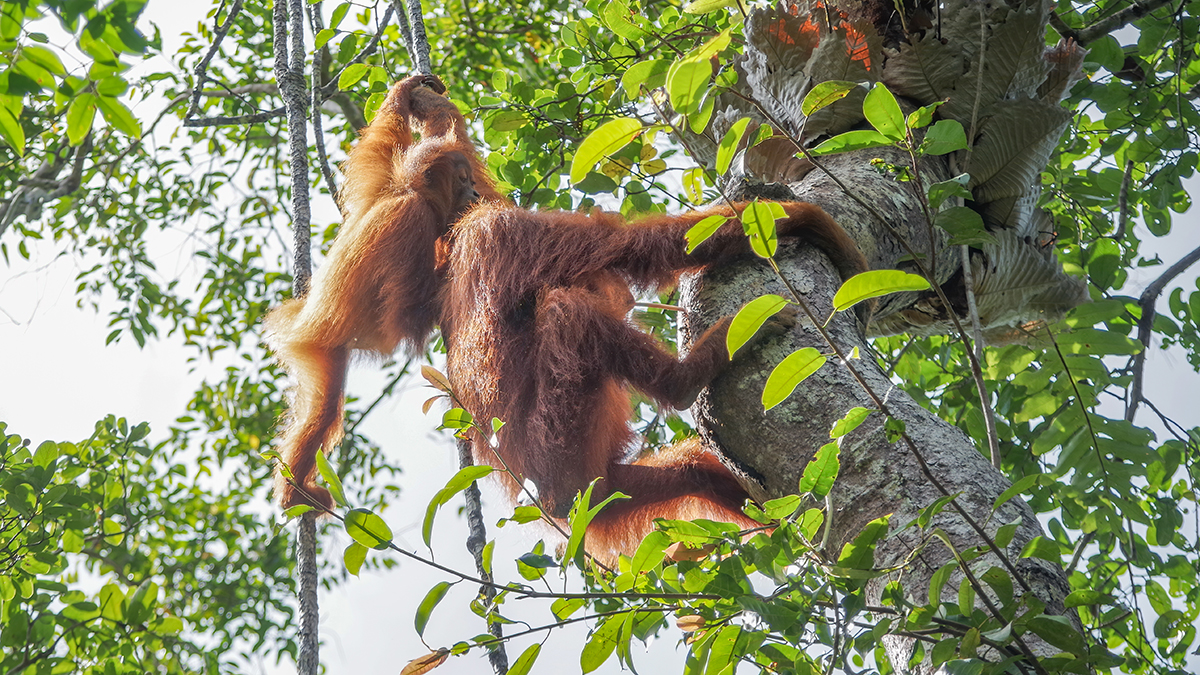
column 533, row 307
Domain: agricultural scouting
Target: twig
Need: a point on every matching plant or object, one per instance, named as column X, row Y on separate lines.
column 1123, row 202
column 201, row 69
column 314, row 16
column 1112, row 22
column 476, row 540
column 1147, row 300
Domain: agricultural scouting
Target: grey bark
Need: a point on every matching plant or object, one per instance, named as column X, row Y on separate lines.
column 770, row 450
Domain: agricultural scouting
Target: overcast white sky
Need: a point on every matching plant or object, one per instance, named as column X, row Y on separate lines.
column 61, row 378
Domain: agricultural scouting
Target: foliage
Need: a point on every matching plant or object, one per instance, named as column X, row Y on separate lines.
column 117, row 554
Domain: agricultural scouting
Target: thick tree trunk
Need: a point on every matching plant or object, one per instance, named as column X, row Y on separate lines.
column 877, row 477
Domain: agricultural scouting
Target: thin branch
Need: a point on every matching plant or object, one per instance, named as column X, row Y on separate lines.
column 476, row 541
column 1146, row 323
column 201, row 69
column 420, row 42
column 1120, row 19
column 314, row 15
column 1123, row 202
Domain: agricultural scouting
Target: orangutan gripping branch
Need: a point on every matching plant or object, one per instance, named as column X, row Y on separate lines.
column 533, row 307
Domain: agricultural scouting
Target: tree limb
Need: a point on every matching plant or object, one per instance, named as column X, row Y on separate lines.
column 1147, row 300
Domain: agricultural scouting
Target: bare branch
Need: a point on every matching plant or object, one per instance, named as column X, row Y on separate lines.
column 201, row 68
column 420, row 42
column 1146, row 323
column 1108, row 24
column 1123, row 203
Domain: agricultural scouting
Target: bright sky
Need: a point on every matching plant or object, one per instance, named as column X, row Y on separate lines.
column 61, row 378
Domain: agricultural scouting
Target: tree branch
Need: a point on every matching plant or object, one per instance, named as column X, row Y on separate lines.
column 201, row 69
column 1108, row 24
column 1146, row 323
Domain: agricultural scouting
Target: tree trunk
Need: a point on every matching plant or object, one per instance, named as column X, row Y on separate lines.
column 877, row 477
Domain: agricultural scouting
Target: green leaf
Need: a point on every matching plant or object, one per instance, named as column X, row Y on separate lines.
column 873, row 284
column 323, row 37
column 425, row 609
column 750, row 318
column 580, row 517
column 615, row 14
column 601, row 644
column 1097, row 343
column 117, row 115
column 783, row 507
column 352, row 74
column 789, row 374
column 339, row 13
column 860, row 553
column 821, row 471
column 331, row 478
column 354, row 556
column 604, row 141
column 758, row 221
column 525, row 661
column 858, row 139
column 457, row 483
column 11, row 131
column 44, row 58
column 706, row 6
column 687, row 80
column 849, row 422
column 1058, row 631
column 729, row 144
column 1041, row 547
column 882, row 111
column 955, row 187
column 650, row 74
column 508, row 120
column 964, row 225
column 824, row 94
column 704, row 229
column 456, row 418
column 945, row 137
column 650, row 552
column 921, row 117
column 368, row 529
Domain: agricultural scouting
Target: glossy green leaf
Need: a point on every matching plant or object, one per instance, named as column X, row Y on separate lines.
column 331, row 478
column 351, row 75
column 429, row 603
column 858, row 139
column 117, row 115
column 729, row 144
column 604, row 141
column 704, row 229
column 457, row 483
column 368, row 529
column 750, row 318
column 825, row 93
column 649, row 74
column 758, row 221
column 687, row 81
column 788, row 375
column 11, row 131
column 821, row 471
column 965, row 226
column 944, row 137
column 706, row 6
column 883, row 112
column 874, row 284
column 526, row 660
column 353, row 557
